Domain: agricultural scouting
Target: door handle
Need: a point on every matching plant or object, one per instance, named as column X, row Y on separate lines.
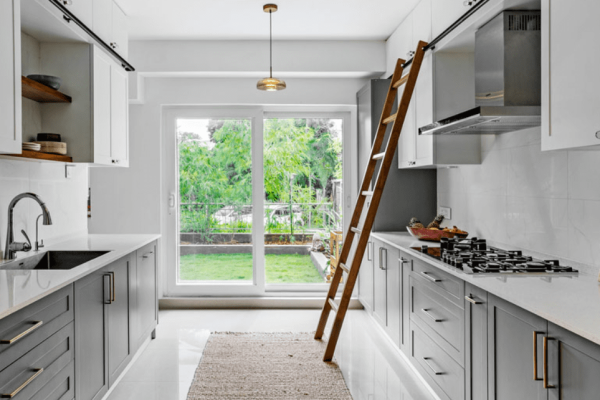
column 430, row 277
column 21, row 335
column 471, row 300
column 109, row 286
column 147, row 255
column 430, row 366
column 546, row 385
column 535, row 355
column 427, row 312
column 382, row 258
column 369, row 255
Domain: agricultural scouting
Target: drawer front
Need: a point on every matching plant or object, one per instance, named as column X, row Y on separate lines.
column 61, row 387
column 439, row 318
column 27, row 328
column 32, row 372
column 436, row 278
column 444, row 375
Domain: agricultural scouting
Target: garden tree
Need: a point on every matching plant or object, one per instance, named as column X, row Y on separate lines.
column 325, row 151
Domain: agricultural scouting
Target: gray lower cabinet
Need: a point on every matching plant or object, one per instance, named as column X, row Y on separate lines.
column 573, row 365
column 365, row 279
column 405, row 266
column 514, row 350
column 387, row 290
column 476, row 341
column 92, row 299
column 143, row 291
column 379, row 283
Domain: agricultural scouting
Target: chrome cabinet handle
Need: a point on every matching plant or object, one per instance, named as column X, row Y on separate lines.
column 431, row 367
column 535, row 355
column 36, row 325
column 546, row 385
column 38, row 372
column 382, row 258
column 403, row 261
column 430, row 277
column 147, row 255
column 471, row 300
column 427, row 312
column 108, row 275
column 369, row 255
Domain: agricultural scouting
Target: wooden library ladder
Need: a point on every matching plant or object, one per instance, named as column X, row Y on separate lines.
column 351, row 269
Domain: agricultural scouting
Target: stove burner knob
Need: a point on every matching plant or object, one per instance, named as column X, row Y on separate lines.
column 424, row 249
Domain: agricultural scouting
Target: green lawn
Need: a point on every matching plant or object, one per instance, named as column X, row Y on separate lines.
column 290, row 268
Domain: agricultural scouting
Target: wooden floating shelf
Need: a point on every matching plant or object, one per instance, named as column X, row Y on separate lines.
column 41, row 93
column 36, row 155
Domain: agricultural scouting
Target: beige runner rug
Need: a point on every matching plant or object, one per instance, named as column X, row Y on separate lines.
column 266, row 366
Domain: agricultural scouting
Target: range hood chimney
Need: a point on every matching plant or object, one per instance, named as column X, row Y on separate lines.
column 507, row 79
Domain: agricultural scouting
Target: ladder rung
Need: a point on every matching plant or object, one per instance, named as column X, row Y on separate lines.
column 378, row 156
column 344, row 268
column 333, row 305
column 356, row 230
column 401, row 81
column 389, row 119
column 367, row 194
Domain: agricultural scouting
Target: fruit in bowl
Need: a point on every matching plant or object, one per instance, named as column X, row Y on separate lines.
column 433, row 233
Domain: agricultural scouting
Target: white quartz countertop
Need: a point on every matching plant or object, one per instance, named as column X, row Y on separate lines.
column 572, row 302
column 20, row 288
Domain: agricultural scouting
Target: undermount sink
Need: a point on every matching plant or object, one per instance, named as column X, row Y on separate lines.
column 53, row 260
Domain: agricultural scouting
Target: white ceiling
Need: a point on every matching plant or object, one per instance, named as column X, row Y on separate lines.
column 245, row 19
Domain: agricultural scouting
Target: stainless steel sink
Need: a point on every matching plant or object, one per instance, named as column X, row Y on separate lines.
column 53, row 260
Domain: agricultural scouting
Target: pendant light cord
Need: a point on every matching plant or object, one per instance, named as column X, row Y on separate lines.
column 271, row 43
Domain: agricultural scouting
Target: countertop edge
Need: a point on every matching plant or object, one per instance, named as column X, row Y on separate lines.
column 106, row 260
column 459, row 274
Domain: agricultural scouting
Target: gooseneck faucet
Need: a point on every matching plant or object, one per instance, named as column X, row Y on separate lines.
column 11, row 246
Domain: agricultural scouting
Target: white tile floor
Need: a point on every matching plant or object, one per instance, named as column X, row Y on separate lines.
column 165, row 369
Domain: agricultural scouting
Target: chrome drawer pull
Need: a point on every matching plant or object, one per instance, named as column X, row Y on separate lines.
column 545, row 369
column 429, row 364
column 403, row 261
column 472, row 300
column 430, row 277
column 21, row 335
column 147, row 254
column 38, row 372
column 431, row 316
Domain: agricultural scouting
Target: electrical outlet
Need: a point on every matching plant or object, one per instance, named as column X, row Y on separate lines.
column 446, row 212
column 69, row 171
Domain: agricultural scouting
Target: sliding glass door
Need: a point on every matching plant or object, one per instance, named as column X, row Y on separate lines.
column 253, row 200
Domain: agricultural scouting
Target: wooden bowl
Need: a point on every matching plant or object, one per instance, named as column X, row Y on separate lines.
column 432, row 235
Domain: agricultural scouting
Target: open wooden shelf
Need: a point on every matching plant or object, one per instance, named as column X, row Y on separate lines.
column 41, row 93
column 36, row 155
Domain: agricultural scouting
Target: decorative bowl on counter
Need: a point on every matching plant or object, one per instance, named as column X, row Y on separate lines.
column 53, row 82
column 432, row 235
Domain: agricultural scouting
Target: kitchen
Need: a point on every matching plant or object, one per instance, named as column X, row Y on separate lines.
column 534, row 191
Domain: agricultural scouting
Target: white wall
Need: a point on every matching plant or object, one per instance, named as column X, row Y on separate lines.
column 66, row 199
column 521, row 197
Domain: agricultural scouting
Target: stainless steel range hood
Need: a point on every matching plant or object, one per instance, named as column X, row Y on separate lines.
column 507, row 79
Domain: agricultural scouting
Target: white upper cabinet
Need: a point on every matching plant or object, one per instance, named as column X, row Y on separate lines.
column 120, row 37
column 570, row 78
column 10, row 77
column 82, row 9
column 103, row 15
column 119, row 113
column 446, row 12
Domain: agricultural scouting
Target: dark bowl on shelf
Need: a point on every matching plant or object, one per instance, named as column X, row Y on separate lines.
column 47, row 80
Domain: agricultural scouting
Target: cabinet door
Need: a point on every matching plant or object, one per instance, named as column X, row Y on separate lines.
column 103, row 15
column 145, row 291
column 92, row 294
column 423, row 96
column 82, row 9
column 10, row 77
column 571, row 104
column 476, row 338
column 405, row 262
column 119, row 349
column 394, row 295
column 365, row 282
column 446, row 12
column 573, row 366
column 119, row 126
column 120, row 37
column 511, row 350
column 379, row 284
column 102, row 107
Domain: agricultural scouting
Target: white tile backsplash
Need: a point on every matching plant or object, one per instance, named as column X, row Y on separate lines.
column 65, row 198
column 545, row 202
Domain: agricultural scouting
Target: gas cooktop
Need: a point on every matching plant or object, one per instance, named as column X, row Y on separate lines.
column 474, row 256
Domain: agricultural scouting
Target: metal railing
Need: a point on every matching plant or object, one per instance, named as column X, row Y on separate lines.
column 213, row 218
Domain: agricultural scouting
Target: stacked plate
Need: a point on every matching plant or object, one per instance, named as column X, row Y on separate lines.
column 32, row 146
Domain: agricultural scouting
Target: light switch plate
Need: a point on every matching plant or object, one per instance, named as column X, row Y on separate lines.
column 446, row 212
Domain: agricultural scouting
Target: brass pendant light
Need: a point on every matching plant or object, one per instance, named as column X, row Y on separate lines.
column 270, row 84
